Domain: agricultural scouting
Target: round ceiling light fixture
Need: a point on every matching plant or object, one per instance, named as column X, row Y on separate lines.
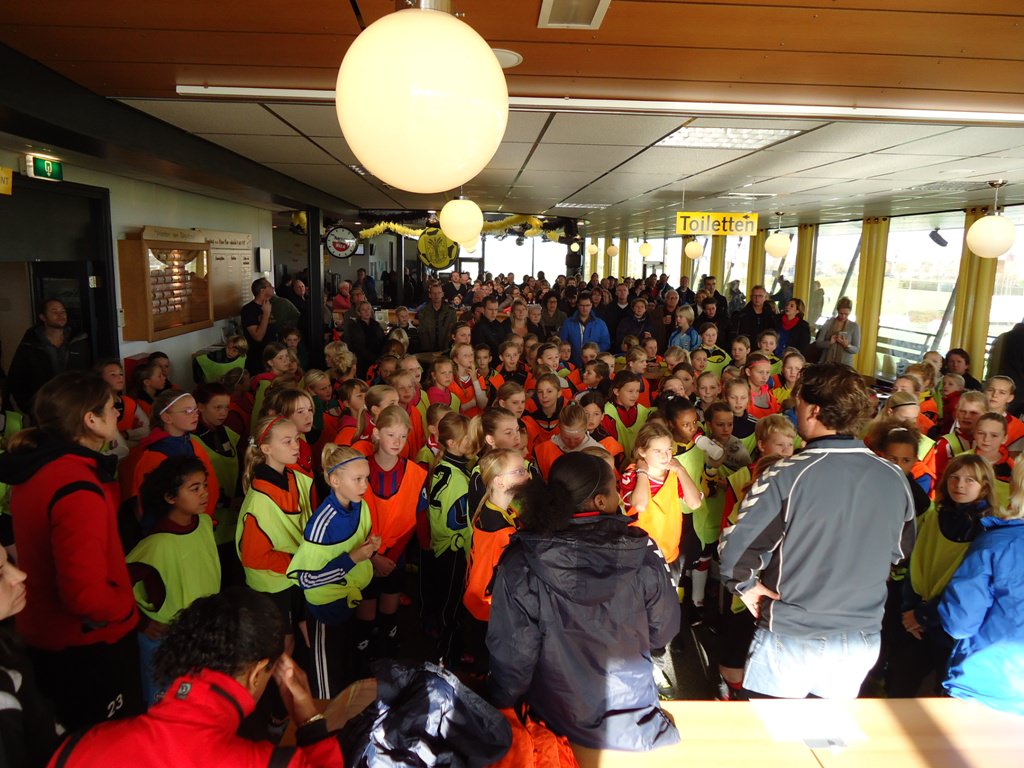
column 693, row 250
column 592, row 249
column 991, row 236
column 461, row 220
column 442, row 89
column 613, row 251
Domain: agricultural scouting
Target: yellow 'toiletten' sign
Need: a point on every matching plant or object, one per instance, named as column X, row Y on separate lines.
column 6, row 180
column 704, row 223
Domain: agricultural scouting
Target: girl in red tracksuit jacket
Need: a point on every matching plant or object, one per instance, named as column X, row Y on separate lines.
column 221, row 652
column 79, row 619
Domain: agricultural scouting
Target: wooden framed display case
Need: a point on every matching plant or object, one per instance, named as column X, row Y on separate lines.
column 165, row 288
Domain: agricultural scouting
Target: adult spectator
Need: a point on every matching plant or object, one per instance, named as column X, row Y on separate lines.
column 220, row 653
column 48, row 348
column 1007, row 359
column 358, row 295
column 489, row 329
column 436, row 320
column 368, row 284
column 258, row 324
column 710, row 285
column 81, row 615
column 756, row 317
column 636, row 323
column 958, row 361
column 687, row 296
column 365, row 337
column 583, row 327
column 838, row 516
column 342, row 301
column 839, row 337
column 300, row 298
column 663, row 316
column 617, row 310
column 551, row 316
column 793, row 329
column 710, row 314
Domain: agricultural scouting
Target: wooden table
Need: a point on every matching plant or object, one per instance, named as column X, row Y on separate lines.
column 807, row 733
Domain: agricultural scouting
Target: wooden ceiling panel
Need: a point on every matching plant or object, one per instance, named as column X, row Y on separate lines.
column 315, row 16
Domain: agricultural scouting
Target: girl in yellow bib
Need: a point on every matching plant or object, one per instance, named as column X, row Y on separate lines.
column 177, row 561
column 965, row 494
column 654, row 489
column 332, row 566
column 274, row 513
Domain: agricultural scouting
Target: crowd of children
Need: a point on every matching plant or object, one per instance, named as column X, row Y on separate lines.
column 345, row 499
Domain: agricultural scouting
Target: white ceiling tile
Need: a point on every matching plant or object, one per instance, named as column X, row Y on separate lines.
column 510, row 155
column 524, row 126
column 621, row 130
column 781, row 163
column 593, row 158
column 271, row 149
column 965, row 142
column 860, row 137
column 213, row 116
column 782, row 185
column 873, row 165
column 310, row 119
column 681, row 161
column 542, row 181
column 338, row 148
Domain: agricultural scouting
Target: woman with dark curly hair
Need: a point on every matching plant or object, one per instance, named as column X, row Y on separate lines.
column 221, row 653
column 580, row 599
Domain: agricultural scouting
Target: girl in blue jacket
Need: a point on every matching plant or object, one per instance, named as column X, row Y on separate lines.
column 980, row 609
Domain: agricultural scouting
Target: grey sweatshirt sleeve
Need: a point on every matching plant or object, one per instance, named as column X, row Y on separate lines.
column 747, row 547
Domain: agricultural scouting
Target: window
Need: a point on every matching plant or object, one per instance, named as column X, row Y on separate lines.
column 737, row 258
column 777, row 270
column 917, row 292
column 1008, row 296
column 835, row 270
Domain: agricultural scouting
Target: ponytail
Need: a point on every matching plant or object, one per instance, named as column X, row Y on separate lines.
column 261, row 432
column 496, row 461
column 573, row 482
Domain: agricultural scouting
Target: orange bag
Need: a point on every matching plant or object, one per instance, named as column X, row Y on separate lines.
column 535, row 746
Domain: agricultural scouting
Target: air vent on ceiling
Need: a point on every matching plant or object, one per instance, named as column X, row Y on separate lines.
column 572, row 14
column 950, row 186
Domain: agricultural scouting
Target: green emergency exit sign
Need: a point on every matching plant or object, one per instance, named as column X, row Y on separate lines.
column 44, row 168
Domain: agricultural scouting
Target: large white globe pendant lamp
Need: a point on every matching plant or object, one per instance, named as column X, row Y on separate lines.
column 991, row 236
column 645, row 249
column 461, row 220
column 421, row 99
column 612, row 251
column 592, row 249
column 693, row 250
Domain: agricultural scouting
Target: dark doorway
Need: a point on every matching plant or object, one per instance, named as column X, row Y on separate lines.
column 61, row 232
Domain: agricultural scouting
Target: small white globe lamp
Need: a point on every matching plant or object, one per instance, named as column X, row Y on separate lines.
column 461, row 220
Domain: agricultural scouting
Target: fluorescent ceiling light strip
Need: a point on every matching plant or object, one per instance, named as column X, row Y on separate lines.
column 627, row 106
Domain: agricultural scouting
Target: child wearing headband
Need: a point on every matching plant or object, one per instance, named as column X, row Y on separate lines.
column 274, row 513
column 175, row 417
column 332, row 566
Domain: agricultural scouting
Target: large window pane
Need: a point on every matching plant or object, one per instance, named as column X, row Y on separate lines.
column 777, row 270
column 1008, row 296
column 836, row 267
column 917, row 292
column 548, row 257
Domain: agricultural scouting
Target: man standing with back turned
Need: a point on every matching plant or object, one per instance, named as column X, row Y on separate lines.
column 811, row 549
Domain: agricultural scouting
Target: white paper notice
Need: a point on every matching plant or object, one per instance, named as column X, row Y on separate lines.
column 818, row 723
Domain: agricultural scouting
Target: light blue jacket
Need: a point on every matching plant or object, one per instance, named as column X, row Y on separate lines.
column 981, row 609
